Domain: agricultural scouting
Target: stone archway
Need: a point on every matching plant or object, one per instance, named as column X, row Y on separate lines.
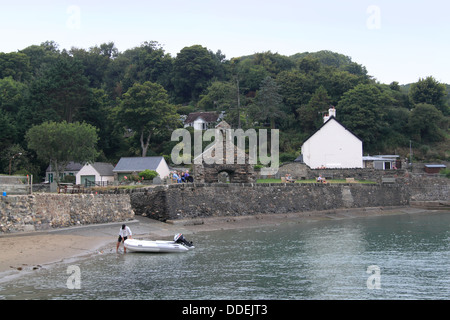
column 224, row 176
column 236, row 173
column 209, row 171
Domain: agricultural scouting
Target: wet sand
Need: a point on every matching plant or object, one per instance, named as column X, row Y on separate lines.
column 29, row 251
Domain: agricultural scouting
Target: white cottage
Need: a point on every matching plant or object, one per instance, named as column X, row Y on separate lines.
column 134, row 165
column 97, row 173
column 202, row 120
column 333, row 146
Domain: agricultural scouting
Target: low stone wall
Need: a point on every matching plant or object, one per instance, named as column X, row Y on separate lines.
column 47, row 211
column 429, row 188
column 301, row 171
column 207, row 200
column 183, row 201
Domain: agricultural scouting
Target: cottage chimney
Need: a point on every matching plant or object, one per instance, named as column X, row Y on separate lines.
column 332, row 112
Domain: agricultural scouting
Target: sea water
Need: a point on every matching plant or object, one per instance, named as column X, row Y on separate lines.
column 403, row 256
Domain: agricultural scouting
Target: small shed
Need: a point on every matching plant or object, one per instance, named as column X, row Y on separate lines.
column 434, row 168
column 97, row 173
column 382, row 162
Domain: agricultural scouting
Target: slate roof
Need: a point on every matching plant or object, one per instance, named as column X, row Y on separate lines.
column 103, row 168
column 380, row 158
column 135, row 164
column 71, row 166
column 435, row 166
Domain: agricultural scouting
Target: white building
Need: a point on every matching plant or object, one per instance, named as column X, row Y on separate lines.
column 97, row 173
column 134, row 165
column 382, row 162
column 202, row 120
column 333, row 146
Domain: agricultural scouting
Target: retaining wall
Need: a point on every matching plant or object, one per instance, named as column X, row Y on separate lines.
column 206, row 200
column 183, row 201
column 46, row 211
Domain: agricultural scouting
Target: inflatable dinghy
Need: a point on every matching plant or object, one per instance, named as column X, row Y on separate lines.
column 180, row 244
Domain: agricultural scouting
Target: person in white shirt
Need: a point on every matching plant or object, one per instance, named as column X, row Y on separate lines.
column 124, row 233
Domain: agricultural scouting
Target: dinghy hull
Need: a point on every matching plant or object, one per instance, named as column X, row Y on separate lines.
column 154, row 246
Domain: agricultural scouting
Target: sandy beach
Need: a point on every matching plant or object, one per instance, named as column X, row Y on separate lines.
column 29, row 251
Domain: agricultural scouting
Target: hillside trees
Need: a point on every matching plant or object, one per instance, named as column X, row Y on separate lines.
column 60, row 91
column 135, row 97
column 362, row 110
column 268, row 103
column 308, row 114
column 193, row 69
column 427, row 123
column 429, row 91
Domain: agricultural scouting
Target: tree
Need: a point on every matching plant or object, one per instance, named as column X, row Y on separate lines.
column 426, row 123
column 60, row 143
column 15, row 65
column 193, row 69
column 8, row 131
column 39, row 56
column 296, row 88
column 13, row 97
column 95, row 62
column 145, row 109
column 148, row 62
column 362, row 110
column 268, row 103
column 309, row 114
column 63, row 88
column 219, row 96
column 429, row 91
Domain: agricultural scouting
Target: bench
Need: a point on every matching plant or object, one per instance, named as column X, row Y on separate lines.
column 350, row 180
column 387, row 180
column 69, row 188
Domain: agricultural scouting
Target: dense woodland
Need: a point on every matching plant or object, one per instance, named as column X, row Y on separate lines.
column 136, row 98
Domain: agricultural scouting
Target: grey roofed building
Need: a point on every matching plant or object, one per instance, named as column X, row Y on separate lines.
column 98, row 173
column 103, row 168
column 137, row 164
column 70, row 167
column 129, row 165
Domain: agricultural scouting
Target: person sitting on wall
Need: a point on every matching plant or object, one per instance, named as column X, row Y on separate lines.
column 289, row 178
column 320, row 179
column 183, row 177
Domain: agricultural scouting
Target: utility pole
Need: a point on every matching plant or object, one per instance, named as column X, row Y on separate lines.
column 238, row 102
column 410, row 153
column 10, row 160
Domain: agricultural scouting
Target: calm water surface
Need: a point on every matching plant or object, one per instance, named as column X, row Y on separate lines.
column 315, row 260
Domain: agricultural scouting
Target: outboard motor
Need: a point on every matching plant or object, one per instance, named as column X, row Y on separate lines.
column 179, row 238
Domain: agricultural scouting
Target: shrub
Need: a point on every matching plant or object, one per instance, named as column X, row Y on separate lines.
column 445, row 172
column 148, row 174
column 287, row 157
